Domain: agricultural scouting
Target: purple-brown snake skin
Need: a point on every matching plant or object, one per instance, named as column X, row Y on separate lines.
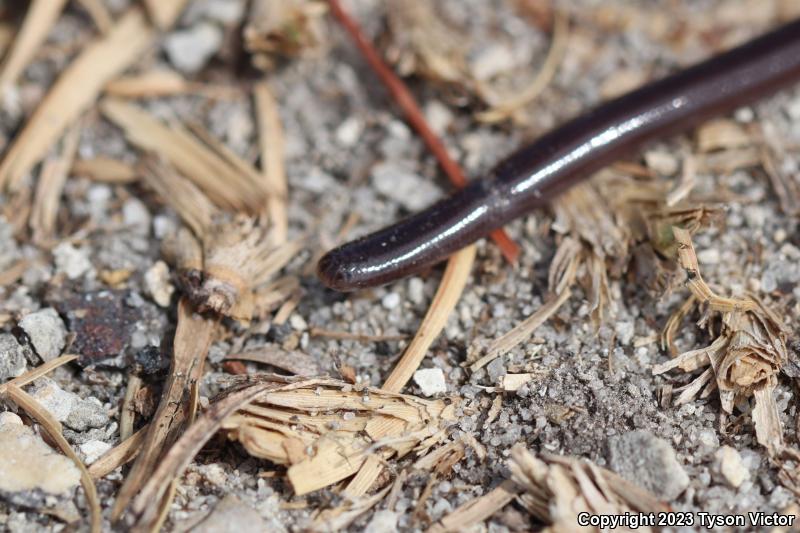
column 538, row 172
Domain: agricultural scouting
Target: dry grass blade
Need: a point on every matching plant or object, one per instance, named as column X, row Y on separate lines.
column 272, row 154
column 119, row 455
column 164, row 12
column 153, row 83
column 523, row 331
column 340, row 518
column 325, row 429
column 477, row 510
column 48, row 191
column 13, row 273
column 40, row 17
column 99, row 13
column 105, row 170
column 296, row 362
column 194, row 207
column 36, row 373
column 745, row 357
column 509, row 105
column 455, row 278
column 74, row 91
column 230, row 185
column 53, row 429
column 190, row 348
column 144, row 511
column 238, row 257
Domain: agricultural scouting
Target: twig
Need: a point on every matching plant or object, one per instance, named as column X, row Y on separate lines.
column 415, row 117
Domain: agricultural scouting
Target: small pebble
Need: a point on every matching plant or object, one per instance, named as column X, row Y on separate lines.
column 391, row 300
column 383, row 521
column 157, row 283
column 641, row 457
column 189, row 50
column 93, row 450
column 431, row 381
column 46, row 331
column 729, row 463
column 71, row 261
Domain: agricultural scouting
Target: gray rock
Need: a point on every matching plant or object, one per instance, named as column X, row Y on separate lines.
column 12, row 357
column 496, row 370
column 7, row 244
column 649, row 461
column 399, row 183
column 189, row 50
column 231, row 514
column 46, row 331
column 53, row 398
column 86, row 414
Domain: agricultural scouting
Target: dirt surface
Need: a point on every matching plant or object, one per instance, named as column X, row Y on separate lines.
column 349, row 153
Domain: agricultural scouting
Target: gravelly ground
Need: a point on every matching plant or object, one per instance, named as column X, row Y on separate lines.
column 349, row 151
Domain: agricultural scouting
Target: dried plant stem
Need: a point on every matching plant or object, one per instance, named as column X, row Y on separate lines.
column 524, row 330
column 53, row 429
column 48, row 191
column 36, row 373
column 40, row 17
column 272, row 154
column 192, row 340
column 453, row 282
column 477, row 510
column 507, row 108
column 74, row 91
column 402, row 95
column 122, row 453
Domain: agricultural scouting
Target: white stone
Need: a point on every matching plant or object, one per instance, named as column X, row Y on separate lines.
column 391, row 300
column 661, row 162
column 93, row 450
column 157, row 283
column 431, row 381
column 189, row 50
column 383, row 521
column 399, row 183
column 58, row 402
column 729, row 464
column 297, row 322
column 27, row 463
column 136, row 215
column 349, row 131
column 709, row 256
column 74, row 262
column 491, row 61
column 46, row 331
column 7, row 418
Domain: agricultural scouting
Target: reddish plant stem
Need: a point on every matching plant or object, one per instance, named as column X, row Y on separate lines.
column 408, row 104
